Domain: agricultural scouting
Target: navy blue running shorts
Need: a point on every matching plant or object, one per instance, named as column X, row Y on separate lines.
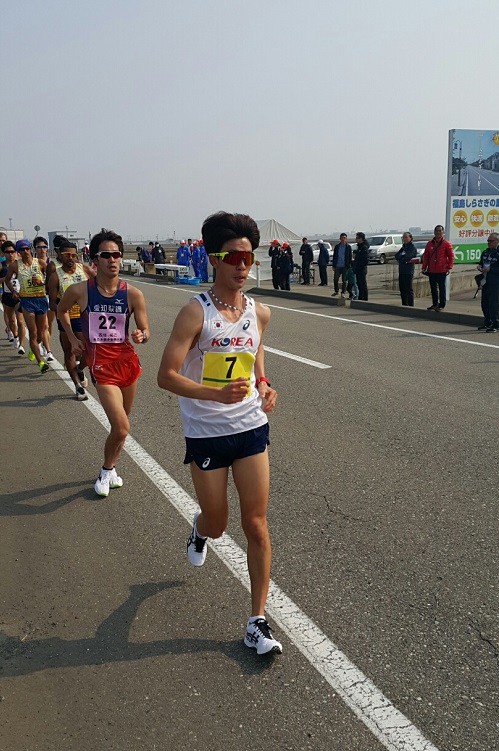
column 75, row 324
column 222, row 451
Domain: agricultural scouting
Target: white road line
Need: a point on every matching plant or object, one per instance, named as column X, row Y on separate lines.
column 392, row 729
column 289, row 355
column 382, row 326
column 479, row 173
column 314, row 363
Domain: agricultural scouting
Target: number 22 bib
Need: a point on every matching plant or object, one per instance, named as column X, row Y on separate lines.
column 106, row 328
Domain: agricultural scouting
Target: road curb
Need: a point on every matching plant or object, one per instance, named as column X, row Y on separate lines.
column 461, row 319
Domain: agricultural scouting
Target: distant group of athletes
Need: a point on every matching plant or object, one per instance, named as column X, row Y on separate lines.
column 213, row 360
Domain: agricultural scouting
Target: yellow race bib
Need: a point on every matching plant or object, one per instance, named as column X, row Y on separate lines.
column 220, row 368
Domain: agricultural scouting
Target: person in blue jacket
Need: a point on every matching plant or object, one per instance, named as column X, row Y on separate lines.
column 183, row 255
column 203, row 262
column 196, row 258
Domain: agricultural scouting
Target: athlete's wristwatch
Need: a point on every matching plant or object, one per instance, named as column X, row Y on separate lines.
column 145, row 338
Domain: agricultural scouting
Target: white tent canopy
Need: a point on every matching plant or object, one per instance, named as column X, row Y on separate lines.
column 272, row 230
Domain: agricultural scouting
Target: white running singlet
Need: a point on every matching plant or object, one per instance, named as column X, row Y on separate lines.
column 224, row 351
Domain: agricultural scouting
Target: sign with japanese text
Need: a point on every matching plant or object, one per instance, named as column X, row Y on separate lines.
column 472, row 191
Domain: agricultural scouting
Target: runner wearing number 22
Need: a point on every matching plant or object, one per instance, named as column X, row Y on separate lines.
column 106, row 304
column 214, row 361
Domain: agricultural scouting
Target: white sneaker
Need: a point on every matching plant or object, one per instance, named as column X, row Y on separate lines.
column 196, row 545
column 115, row 481
column 11, row 337
column 15, row 342
column 9, row 333
column 259, row 637
column 81, row 394
column 107, row 479
column 49, row 356
column 21, row 350
column 43, row 351
column 82, row 378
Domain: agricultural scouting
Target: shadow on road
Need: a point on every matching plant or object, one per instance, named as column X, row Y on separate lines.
column 17, row 504
column 111, row 643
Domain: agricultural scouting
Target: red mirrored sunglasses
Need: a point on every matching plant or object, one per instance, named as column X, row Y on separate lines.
column 234, row 257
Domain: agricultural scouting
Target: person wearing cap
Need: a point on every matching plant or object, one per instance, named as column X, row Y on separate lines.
column 183, row 255
column 285, row 266
column 203, row 261
column 33, row 300
column 107, row 304
column 214, row 361
column 274, row 253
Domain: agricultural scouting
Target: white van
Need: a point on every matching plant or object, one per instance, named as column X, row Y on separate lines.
column 383, row 247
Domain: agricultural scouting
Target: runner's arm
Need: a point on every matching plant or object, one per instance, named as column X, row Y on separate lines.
column 186, row 329
column 266, row 392
column 12, row 269
column 137, row 306
column 72, row 296
column 53, row 289
column 89, row 272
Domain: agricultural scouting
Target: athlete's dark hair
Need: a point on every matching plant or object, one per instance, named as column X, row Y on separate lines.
column 439, row 226
column 221, row 227
column 408, row 233
column 343, row 234
column 40, row 239
column 58, row 239
column 67, row 244
column 106, row 235
column 7, row 244
column 361, row 235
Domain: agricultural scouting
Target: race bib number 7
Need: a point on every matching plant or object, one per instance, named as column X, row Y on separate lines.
column 221, row 368
column 106, row 328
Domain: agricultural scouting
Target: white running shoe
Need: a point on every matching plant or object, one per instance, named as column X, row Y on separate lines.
column 259, row 637
column 116, row 481
column 196, row 545
column 107, row 479
column 82, row 378
column 9, row 333
column 43, row 351
column 15, row 342
column 21, row 350
column 49, row 357
column 81, row 394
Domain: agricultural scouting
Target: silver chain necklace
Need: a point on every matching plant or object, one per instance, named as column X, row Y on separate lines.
column 226, row 304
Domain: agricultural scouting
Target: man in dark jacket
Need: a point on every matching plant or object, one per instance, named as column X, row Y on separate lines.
column 404, row 258
column 274, row 252
column 307, row 256
column 360, row 264
column 489, row 265
column 342, row 260
column 323, row 262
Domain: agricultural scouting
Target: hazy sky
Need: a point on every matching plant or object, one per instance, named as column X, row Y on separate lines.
column 146, row 116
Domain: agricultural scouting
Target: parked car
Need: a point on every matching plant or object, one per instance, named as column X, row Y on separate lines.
column 315, row 248
column 420, row 245
column 383, row 247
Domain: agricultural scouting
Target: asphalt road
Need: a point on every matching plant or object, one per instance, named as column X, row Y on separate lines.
column 482, row 182
column 383, row 516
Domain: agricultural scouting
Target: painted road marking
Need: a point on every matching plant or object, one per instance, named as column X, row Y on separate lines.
column 314, row 363
column 280, row 352
column 383, row 326
column 392, row 729
column 364, row 323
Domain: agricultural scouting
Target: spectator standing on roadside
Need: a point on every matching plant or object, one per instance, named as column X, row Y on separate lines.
column 323, row 262
column 360, row 264
column 437, row 262
column 285, row 266
column 203, row 262
column 274, row 253
column 307, row 256
column 489, row 266
column 183, row 255
column 405, row 259
column 342, row 261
